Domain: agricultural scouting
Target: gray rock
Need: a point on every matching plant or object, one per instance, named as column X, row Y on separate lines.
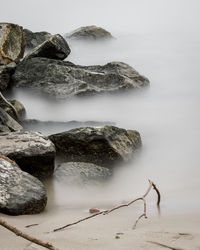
column 33, row 39
column 5, row 74
column 19, row 107
column 7, row 123
column 89, row 32
column 104, row 146
column 20, row 193
column 65, row 79
column 55, row 48
column 33, row 152
column 78, row 173
column 12, row 43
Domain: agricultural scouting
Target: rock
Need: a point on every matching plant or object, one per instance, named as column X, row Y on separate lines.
column 12, row 43
column 78, row 173
column 64, row 79
column 94, row 210
column 55, row 48
column 19, row 107
column 13, row 107
column 33, row 152
column 33, row 39
column 20, row 193
column 89, row 32
column 104, row 146
column 5, row 74
column 7, row 123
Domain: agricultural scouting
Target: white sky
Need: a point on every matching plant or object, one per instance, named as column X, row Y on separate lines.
column 61, row 16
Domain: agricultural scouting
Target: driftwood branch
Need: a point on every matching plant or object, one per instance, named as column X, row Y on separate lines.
column 26, row 236
column 104, row 212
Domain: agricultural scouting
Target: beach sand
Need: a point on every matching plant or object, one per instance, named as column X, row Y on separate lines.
column 157, row 232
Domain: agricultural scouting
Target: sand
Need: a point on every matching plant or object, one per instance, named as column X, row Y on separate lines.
column 175, row 231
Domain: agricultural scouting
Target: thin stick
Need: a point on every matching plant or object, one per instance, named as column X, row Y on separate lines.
column 166, row 246
column 26, row 236
column 32, row 225
column 74, row 223
column 151, row 184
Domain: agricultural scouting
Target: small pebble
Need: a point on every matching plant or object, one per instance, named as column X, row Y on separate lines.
column 117, row 237
column 94, row 210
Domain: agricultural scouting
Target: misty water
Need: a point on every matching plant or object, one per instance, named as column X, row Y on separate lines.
column 166, row 114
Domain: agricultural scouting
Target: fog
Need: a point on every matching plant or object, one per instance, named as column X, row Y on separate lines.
column 160, row 39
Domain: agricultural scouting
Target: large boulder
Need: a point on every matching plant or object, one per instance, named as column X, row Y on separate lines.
column 104, row 146
column 7, row 123
column 33, row 152
column 55, row 48
column 89, row 32
column 20, row 193
column 80, row 173
column 65, row 79
column 5, row 74
column 13, row 107
column 12, row 43
column 33, row 39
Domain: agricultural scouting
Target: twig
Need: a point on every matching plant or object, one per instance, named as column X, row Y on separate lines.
column 74, row 223
column 166, row 246
column 26, row 236
column 151, row 184
column 32, row 225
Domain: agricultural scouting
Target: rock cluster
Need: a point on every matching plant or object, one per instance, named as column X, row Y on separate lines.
column 87, row 154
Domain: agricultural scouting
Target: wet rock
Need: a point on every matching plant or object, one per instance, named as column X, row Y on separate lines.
column 33, row 152
column 13, row 107
column 33, row 39
column 64, row 79
column 7, row 123
column 20, row 193
column 104, row 146
column 12, row 43
column 55, row 48
column 89, row 32
column 77, row 173
column 5, row 74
